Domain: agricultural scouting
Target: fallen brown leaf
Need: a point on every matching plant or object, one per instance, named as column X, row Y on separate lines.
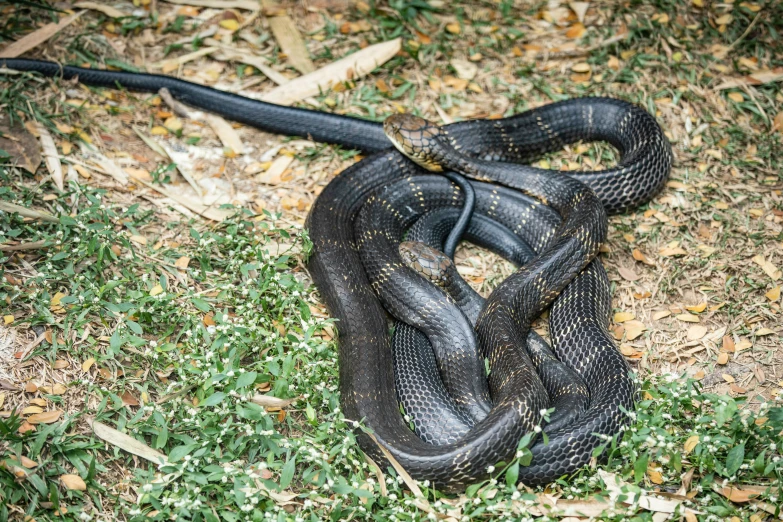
column 73, row 482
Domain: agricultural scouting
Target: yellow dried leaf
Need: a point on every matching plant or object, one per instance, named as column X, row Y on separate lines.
column 727, row 377
column 723, row 358
column 156, row 290
column 768, row 268
column 582, row 67
column 86, row 365
column 655, row 476
column 772, row 295
column 30, row 410
column 699, row 375
column 662, row 18
column 777, row 122
column 182, row 263
column 691, row 443
column 575, row 31
column 141, row 240
column 73, row 482
column 724, row 20
column 453, row 28
column 744, row 344
column 699, row 308
column 173, row 123
column 58, row 389
column 8, row 319
column 763, row 331
column 621, row 317
column 736, row 97
column 661, row 314
column 230, row 24
column 688, row 318
column 158, row 130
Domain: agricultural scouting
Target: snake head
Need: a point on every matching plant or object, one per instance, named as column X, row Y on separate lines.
column 416, row 138
column 428, row 262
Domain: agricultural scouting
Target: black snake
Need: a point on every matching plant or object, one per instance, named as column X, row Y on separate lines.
column 579, row 315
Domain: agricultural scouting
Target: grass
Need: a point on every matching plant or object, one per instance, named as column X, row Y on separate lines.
column 207, row 343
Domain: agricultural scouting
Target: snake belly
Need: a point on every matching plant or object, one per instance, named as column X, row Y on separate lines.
column 366, row 366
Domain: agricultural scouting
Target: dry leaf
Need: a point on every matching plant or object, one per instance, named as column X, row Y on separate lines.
column 47, row 417
column 270, row 401
column 628, row 274
column 182, row 263
column 86, row 365
column 354, row 65
column 655, row 476
column 227, row 135
column 74, row 482
column 126, row 442
column 688, row 318
column 637, row 254
column 743, row 494
column 727, row 377
column 288, row 38
column 633, row 329
column 575, row 31
column 699, row 308
column 661, row 314
column 465, row 69
column 21, row 146
column 691, row 443
column 128, row 399
column 763, row 331
column 274, row 174
column 670, row 252
column 774, row 294
column 768, row 268
column 621, row 317
column 156, row 290
column 105, row 9
column 37, row 37
column 696, row 332
column 51, row 157
column 777, row 123
column 723, row 358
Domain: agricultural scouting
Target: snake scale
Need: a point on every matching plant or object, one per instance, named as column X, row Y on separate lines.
column 579, row 313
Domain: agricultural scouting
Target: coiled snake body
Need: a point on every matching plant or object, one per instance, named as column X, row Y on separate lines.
column 402, row 192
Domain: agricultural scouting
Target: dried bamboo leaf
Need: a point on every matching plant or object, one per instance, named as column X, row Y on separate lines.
column 37, row 37
column 51, row 157
column 353, row 66
column 288, row 37
column 26, row 212
column 126, row 442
